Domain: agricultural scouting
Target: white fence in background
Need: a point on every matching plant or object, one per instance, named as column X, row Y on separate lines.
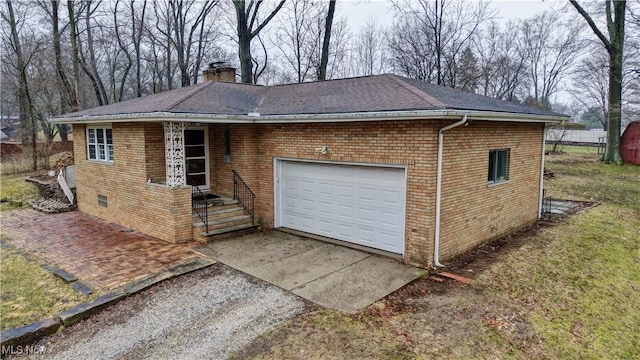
column 577, row 136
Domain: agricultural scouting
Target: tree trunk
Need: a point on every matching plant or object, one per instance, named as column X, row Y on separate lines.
column 67, row 91
column 614, row 123
column 92, row 70
column 74, row 50
column 27, row 119
column 324, row 59
column 244, row 44
column 246, row 32
column 615, row 47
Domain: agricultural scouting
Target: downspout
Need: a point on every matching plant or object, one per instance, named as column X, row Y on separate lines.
column 436, row 242
column 541, row 195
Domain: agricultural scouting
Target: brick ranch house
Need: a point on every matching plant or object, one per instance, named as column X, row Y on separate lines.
column 417, row 171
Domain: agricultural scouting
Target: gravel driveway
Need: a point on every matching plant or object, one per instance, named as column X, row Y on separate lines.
column 208, row 314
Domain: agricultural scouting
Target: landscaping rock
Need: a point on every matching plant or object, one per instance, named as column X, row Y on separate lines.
column 191, row 266
column 83, row 311
column 52, row 198
column 82, row 288
column 144, row 283
column 28, row 334
column 168, row 274
column 15, row 203
column 51, row 206
column 60, row 273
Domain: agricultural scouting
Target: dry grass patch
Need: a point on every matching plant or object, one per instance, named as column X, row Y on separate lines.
column 571, row 291
column 14, row 187
column 579, row 284
column 29, row 293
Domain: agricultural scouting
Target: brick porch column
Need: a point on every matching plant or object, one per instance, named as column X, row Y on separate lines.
column 174, row 153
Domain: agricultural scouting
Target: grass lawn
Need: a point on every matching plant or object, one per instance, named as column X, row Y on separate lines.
column 29, row 293
column 14, row 187
column 570, row 292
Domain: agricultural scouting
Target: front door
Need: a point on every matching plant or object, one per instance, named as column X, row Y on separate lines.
column 196, row 150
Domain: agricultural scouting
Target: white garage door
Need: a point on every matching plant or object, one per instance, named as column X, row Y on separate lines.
column 364, row 205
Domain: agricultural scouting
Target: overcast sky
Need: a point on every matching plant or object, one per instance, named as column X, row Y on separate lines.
column 359, row 11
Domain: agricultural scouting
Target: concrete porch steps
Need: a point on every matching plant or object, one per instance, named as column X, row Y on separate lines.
column 220, row 212
column 219, row 223
column 226, row 220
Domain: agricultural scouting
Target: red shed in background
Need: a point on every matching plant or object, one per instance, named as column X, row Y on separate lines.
column 630, row 143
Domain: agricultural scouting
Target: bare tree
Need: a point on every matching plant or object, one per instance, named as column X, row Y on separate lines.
column 550, row 48
column 120, row 68
column 248, row 27
column 614, row 44
column 370, row 53
column 412, row 51
column 136, row 19
column 189, row 30
column 501, row 67
column 437, row 31
column 591, row 83
column 89, row 61
column 25, row 101
column 296, row 38
column 75, row 56
column 71, row 98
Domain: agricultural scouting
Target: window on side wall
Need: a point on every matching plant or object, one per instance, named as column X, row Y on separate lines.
column 100, row 143
column 498, row 166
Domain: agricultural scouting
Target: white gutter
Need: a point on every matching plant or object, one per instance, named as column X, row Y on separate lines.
column 436, row 241
column 540, row 196
column 255, row 118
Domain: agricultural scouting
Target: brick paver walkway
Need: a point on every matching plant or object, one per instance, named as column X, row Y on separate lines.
column 101, row 254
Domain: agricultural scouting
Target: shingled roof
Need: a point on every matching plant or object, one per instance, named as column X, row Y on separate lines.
column 361, row 95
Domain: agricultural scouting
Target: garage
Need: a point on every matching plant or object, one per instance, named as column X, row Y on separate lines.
column 360, row 204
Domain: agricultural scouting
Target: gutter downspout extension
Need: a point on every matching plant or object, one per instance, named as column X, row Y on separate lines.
column 436, row 242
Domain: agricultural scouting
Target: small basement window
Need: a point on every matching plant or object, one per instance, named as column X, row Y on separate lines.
column 100, row 144
column 498, row 166
column 102, row 200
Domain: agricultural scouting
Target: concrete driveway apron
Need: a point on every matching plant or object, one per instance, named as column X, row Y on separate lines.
column 333, row 276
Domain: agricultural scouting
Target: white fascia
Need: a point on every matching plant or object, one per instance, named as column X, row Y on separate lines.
column 254, row 118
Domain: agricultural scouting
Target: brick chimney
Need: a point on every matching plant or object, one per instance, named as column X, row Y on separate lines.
column 219, row 71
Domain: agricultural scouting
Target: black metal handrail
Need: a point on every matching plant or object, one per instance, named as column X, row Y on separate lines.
column 200, row 205
column 243, row 194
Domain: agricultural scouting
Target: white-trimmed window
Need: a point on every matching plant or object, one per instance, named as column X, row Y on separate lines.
column 498, row 166
column 100, row 143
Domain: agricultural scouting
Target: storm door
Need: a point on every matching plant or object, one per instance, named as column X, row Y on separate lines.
column 196, row 150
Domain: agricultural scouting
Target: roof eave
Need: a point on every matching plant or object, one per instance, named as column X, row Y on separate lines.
column 314, row 118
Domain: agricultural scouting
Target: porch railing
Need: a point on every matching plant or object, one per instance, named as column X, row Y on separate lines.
column 243, row 194
column 200, row 205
